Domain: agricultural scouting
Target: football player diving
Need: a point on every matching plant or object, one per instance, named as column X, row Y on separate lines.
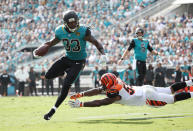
column 118, row 92
column 73, row 37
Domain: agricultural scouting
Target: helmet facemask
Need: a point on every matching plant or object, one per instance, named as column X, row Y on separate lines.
column 71, row 21
column 142, row 33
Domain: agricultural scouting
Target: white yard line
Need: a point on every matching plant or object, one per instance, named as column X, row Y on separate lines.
column 147, row 117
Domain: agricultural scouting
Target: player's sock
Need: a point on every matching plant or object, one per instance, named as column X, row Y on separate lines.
column 189, row 82
column 183, row 96
column 178, row 85
column 50, row 113
column 54, row 107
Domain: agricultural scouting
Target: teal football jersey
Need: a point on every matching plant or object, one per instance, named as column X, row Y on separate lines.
column 95, row 72
column 140, row 49
column 74, row 43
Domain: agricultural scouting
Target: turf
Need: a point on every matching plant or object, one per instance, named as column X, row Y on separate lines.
column 26, row 114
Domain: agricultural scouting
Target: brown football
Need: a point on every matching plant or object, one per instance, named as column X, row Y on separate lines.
column 42, row 50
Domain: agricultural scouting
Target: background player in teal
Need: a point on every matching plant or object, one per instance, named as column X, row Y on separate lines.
column 185, row 71
column 95, row 77
column 74, row 39
column 140, row 47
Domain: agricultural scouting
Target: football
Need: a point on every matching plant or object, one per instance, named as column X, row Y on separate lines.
column 42, row 50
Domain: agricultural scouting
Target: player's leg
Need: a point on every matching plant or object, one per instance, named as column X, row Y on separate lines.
column 35, row 88
column 43, row 84
column 141, row 70
column 57, row 69
column 52, row 87
column 47, row 87
column 157, row 99
column 4, row 90
column 72, row 74
column 22, row 88
column 180, row 85
column 183, row 96
column 31, row 88
column 95, row 83
column 174, row 87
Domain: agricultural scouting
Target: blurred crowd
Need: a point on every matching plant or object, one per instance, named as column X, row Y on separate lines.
column 27, row 22
column 32, row 22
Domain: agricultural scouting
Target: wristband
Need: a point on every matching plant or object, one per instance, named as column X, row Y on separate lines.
column 122, row 59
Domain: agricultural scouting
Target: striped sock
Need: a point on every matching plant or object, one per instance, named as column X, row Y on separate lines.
column 54, row 108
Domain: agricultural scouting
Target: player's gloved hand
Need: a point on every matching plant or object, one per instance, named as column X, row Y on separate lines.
column 34, row 54
column 78, row 95
column 103, row 60
column 75, row 104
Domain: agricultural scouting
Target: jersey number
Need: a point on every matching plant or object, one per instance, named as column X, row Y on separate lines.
column 143, row 47
column 129, row 90
column 68, row 48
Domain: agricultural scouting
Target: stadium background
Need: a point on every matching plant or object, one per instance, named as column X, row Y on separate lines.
column 168, row 26
column 25, row 24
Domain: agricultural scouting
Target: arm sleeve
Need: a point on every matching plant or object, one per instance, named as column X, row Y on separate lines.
column 57, row 32
column 131, row 46
column 149, row 48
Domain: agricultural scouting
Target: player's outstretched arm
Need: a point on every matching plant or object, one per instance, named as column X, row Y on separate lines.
column 90, row 38
column 103, row 102
column 91, row 92
column 53, row 42
column 95, row 103
column 152, row 50
column 43, row 49
column 126, row 52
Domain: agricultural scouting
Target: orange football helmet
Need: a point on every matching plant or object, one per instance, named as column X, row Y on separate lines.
column 108, row 80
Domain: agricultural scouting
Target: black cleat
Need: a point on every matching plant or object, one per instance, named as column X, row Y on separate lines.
column 49, row 115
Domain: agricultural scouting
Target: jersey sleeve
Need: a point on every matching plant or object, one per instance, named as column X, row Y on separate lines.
column 132, row 45
column 58, row 32
column 149, row 48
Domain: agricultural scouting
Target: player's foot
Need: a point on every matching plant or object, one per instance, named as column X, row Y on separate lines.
column 49, row 114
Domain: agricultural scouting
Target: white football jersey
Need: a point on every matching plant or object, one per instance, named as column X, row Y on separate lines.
column 131, row 96
column 143, row 95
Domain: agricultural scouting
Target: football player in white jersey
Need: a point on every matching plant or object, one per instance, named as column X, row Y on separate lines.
column 118, row 92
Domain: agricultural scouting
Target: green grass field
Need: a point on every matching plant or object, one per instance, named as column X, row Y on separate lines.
column 26, row 114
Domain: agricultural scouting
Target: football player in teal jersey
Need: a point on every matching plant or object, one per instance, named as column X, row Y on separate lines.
column 140, row 47
column 74, row 39
column 95, row 77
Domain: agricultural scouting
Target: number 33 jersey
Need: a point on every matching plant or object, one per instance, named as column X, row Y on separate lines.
column 131, row 96
column 73, row 42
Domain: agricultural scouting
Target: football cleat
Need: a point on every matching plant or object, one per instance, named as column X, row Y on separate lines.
column 49, row 115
